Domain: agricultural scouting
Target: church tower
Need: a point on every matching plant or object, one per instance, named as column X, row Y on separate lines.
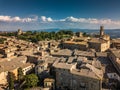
column 101, row 31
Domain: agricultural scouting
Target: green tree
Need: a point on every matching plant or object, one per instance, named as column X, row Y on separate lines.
column 29, row 33
column 31, row 80
column 11, row 79
column 20, row 74
column 2, row 40
column 69, row 32
column 84, row 34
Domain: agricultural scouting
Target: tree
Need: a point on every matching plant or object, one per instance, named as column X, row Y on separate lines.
column 2, row 40
column 11, row 79
column 84, row 34
column 31, row 80
column 69, row 32
column 20, row 74
column 29, row 33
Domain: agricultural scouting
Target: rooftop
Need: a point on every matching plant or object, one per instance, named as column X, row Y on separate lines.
column 86, row 68
column 11, row 64
column 62, row 65
column 116, row 52
column 84, row 53
column 63, row 52
column 101, row 54
column 73, row 42
column 116, row 40
column 88, row 71
column 71, row 60
column 97, row 40
column 49, row 80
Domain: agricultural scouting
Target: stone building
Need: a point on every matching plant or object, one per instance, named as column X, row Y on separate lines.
column 19, row 32
column 78, row 75
column 114, row 56
column 44, row 65
column 75, row 45
column 11, row 65
column 42, row 70
column 49, row 83
column 79, row 34
column 115, row 43
column 100, row 44
column 8, row 50
column 76, row 42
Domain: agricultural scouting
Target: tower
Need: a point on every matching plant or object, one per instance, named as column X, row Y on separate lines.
column 101, row 31
column 19, row 32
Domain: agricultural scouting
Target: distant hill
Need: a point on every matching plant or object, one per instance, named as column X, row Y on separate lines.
column 114, row 33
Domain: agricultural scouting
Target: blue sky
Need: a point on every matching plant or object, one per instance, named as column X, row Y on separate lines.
column 63, row 14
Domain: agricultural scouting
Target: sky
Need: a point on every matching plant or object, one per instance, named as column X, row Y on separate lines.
column 60, row 14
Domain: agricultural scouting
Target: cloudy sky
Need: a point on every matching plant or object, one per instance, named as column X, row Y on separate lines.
column 63, row 14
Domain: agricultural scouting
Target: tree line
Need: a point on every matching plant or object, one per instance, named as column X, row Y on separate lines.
column 35, row 36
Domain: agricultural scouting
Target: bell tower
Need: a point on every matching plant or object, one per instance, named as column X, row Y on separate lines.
column 101, row 31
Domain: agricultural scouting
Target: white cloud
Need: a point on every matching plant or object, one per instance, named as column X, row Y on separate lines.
column 68, row 19
column 90, row 20
column 47, row 22
column 45, row 19
column 16, row 19
column 49, row 19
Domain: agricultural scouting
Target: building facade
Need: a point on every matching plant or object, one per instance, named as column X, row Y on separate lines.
column 77, row 76
column 114, row 56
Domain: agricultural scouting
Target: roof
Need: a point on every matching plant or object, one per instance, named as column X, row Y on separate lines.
column 116, row 52
column 81, row 38
column 11, row 64
column 88, row 69
column 84, row 53
column 26, row 52
column 50, row 59
column 116, row 40
column 101, row 54
column 71, row 59
column 96, row 64
column 62, row 65
column 63, row 52
column 97, row 40
column 73, row 42
column 49, row 80
column 2, row 45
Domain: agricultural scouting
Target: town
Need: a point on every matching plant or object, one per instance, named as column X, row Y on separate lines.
column 75, row 62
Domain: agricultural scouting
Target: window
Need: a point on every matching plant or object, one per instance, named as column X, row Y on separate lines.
column 82, row 85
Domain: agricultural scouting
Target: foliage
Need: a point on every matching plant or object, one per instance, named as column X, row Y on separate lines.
column 11, row 79
column 9, row 34
column 39, row 36
column 20, row 74
column 2, row 40
column 86, row 35
column 31, row 80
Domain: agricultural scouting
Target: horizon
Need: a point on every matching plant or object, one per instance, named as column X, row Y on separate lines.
column 114, row 33
column 62, row 14
column 58, row 29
